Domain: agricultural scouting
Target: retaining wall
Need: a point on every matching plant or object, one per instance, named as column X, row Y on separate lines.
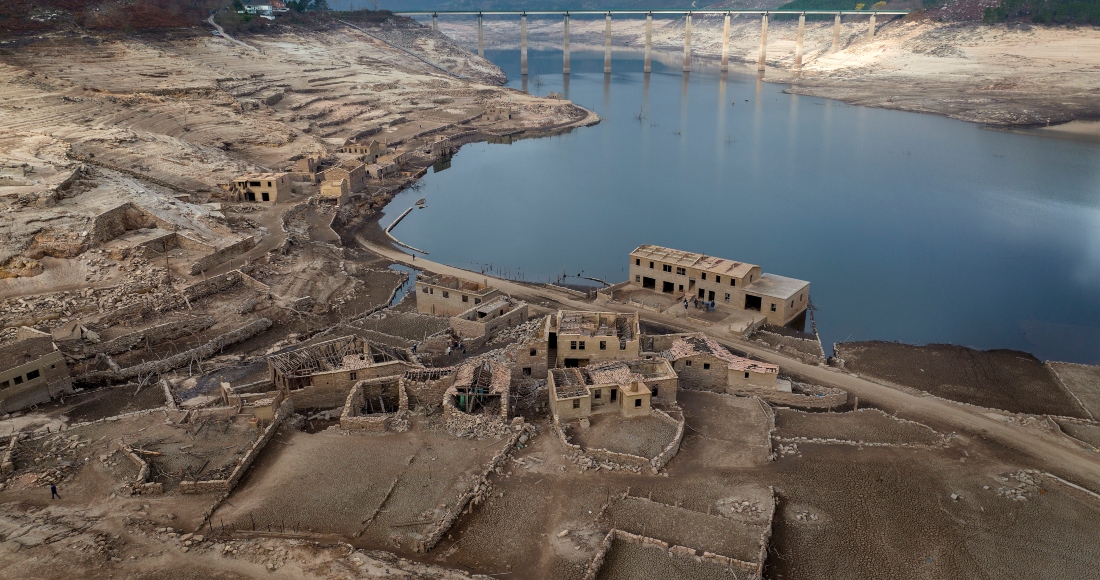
column 825, row 398
column 202, row 352
column 806, row 350
column 155, row 334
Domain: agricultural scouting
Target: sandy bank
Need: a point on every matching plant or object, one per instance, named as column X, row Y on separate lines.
column 994, row 74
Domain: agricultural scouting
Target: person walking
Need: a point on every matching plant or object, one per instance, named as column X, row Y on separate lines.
column 53, row 491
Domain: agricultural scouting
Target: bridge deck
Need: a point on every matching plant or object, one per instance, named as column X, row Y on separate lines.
column 642, row 12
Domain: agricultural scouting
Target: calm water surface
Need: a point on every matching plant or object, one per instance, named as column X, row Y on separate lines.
column 910, row 227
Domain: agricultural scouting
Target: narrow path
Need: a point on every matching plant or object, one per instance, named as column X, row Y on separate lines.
column 222, row 32
column 405, row 50
column 1054, row 454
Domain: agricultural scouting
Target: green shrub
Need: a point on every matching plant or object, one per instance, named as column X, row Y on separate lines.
column 1046, row 11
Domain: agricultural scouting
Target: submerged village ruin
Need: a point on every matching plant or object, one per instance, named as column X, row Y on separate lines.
column 226, row 367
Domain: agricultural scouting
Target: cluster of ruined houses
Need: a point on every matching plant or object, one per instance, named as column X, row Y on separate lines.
column 591, row 361
column 355, row 164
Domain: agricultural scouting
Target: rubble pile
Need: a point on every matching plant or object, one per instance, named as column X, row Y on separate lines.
column 49, row 460
column 1019, row 485
column 488, row 425
column 145, row 285
column 740, row 509
column 521, row 334
column 805, row 516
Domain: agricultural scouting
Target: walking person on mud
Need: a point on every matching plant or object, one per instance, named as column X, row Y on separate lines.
column 53, row 491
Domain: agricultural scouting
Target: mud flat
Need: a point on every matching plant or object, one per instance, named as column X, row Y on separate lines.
column 999, row 379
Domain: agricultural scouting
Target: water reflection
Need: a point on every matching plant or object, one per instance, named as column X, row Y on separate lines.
column 910, row 227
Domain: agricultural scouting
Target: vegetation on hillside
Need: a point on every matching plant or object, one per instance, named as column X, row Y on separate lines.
column 833, row 5
column 139, row 15
column 32, row 15
column 1046, row 11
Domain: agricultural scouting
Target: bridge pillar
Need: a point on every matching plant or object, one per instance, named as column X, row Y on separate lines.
column 726, row 44
column 836, row 33
column 798, row 43
column 523, row 45
column 763, row 43
column 480, row 39
column 435, row 23
column 871, row 30
column 648, row 42
column 687, row 43
column 607, row 44
column 565, row 47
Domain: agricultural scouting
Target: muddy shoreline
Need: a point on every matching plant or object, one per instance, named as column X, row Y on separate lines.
column 998, row 75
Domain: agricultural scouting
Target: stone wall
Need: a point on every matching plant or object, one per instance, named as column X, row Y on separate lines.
column 426, row 393
column 285, row 410
column 7, row 463
column 352, row 418
column 673, row 447
column 477, row 493
column 693, row 373
column 223, row 254
column 461, row 424
column 121, row 219
column 199, row 353
column 141, row 484
column 155, row 334
column 811, row 397
column 807, row 350
column 320, row 396
column 214, row 285
column 594, row 457
column 594, row 565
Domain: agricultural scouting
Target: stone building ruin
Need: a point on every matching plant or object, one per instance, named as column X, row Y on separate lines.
column 32, row 371
column 337, row 363
column 579, row 338
column 481, row 387
column 630, row 387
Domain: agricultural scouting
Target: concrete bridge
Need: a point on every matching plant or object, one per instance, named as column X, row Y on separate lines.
column 649, row 30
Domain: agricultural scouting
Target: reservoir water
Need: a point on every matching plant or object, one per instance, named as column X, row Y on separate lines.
column 910, row 227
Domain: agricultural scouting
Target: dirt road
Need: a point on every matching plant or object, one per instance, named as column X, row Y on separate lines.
column 1047, row 452
column 222, row 33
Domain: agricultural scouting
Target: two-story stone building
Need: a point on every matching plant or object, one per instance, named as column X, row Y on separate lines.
column 578, row 338
column 449, row 295
column 730, row 284
column 266, row 187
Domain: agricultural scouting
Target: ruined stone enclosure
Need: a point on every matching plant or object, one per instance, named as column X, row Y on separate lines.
column 389, row 491
column 375, row 405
